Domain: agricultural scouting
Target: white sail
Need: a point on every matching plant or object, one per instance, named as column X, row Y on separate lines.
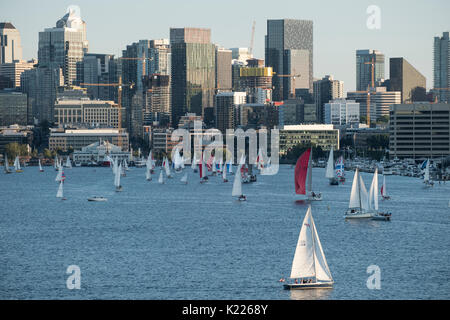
column 60, row 192
column 59, row 175
column 6, row 163
column 167, row 167
column 148, row 175
column 117, row 176
column 40, row 166
column 17, row 163
column 230, row 166
column 56, row 164
column 237, row 184
column 330, row 166
column 194, row 161
column 213, row 164
column 426, row 176
column 373, row 192
column 184, row 179
column 358, row 195
column 383, row 189
column 303, row 262
column 224, row 173
column 320, row 262
column 161, row 178
column 68, row 163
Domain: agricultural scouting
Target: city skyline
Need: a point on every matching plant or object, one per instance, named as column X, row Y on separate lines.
column 400, row 34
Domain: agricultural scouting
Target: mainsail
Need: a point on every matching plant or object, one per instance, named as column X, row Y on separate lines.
column 301, row 172
column 358, row 195
column 60, row 192
column 309, row 259
column 330, row 166
column 373, row 192
column 237, row 185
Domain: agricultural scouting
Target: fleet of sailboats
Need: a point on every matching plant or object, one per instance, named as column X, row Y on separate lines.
column 17, row 166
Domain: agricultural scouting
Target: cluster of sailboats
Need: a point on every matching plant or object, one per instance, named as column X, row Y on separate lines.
column 17, row 166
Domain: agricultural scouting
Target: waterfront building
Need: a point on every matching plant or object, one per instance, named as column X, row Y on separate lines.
column 13, row 108
column 341, row 112
column 100, row 151
column 319, row 135
column 419, row 130
column 79, row 138
column 15, row 134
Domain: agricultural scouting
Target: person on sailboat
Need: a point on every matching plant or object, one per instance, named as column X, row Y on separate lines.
column 242, row 197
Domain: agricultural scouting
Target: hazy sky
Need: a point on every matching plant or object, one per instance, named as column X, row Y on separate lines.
column 407, row 27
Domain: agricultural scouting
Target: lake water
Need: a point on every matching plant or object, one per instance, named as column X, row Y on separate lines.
column 195, row 241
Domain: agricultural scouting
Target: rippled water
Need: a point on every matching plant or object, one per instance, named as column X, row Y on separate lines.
column 194, row 241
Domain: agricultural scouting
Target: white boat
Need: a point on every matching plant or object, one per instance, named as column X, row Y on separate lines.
column 167, row 167
column 202, row 171
column 17, row 165
column 60, row 193
column 237, row 187
column 426, row 177
column 56, row 163
column 358, row 207
column 6, row 165
column 194, row 163
column 224, row 174
column 373, row 200
column 40, row 166
column 309, row 266
column 60, row 176
column 68, row 163
column 117, row 178
column 161, row 177
column 230, row 167
column 184, row 178
column 383, row 190
column 97, row 199
column 329, row 173
column 303, row 177
column 340, row 169
column 148, row 175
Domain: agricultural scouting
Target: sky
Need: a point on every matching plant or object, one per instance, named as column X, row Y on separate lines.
column 406, row 28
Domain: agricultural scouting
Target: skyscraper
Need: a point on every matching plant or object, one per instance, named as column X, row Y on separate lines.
column 159, row 53
column 193, row 71
column 10, row 47
column 226, row 109
column 325, row 90
column 289, row 51
column 364, row 69
column 64, row 45
column 406, row 79
column 223, row 69
column 441, row 68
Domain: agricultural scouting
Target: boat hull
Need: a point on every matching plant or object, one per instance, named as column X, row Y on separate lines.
column 358, row 215
column 303, row 286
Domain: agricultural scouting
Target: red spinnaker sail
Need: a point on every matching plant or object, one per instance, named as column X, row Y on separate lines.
column 301, row 170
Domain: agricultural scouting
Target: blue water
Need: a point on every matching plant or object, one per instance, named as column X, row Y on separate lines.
column 194, row 241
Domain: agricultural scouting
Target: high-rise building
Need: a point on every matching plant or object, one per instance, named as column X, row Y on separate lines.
column 64, row 45
column 223, row 69
column 157, row 99
column 380, row 101
column 341, row 112
column 406, row 79
column 226, row 107
column 256, row 80
column 193, row 71
column 419, row 130
column 364, row 68
column 10, row 46
column 160, row 57
column 13, row 108
column 98, row 69
column 11, row 71
column 289, row 51
column 291, row 112
column 325, row 90
column 241, row 54
column 441, row 69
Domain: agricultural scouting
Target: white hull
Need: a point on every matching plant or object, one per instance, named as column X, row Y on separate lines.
column 358, row 215
column 302, row 286
column 97, row 199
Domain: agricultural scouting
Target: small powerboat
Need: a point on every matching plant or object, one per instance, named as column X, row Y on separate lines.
column 97, row 199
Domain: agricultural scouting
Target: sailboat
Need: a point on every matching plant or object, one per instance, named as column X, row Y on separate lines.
column 60, row 176
column 202, row 170
column 7, row 170
column 340, row 169
column 309, row 266
column 17, row 165
column 194, row 163
column 178, row 162
column 230, row 167
column 303, row 177
column 224, row 174
column 68, row 163
column 426, row 177
column 329, row 173
column 161, row 177
column 167, row 167
column 60, row 193
column 384, row 194
column 373, row 200
column 56, row 163
column 184, row 178
column 40, row 166
column 237, row 187
column 148, row 175
column 358, row 207
column 117, row 175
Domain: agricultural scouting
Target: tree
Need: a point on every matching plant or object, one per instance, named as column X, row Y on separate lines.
column 15, row 149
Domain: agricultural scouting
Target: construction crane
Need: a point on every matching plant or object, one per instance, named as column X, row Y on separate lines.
column 119, row 86
column 250, row 49
column 293, row 76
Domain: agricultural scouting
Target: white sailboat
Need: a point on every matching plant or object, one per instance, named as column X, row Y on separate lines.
column 426, row 177
column 184, row 178
column 60, row 193
column 384, row 193
column 60, row 176
column 167, row 167
column 373, row 200
column 202, row 170
column 68, row 163
column 237, row 187
column 230, row 167
column 329, row 173
column 17, row 165
column 194, row 163
column 161, row 177
column 224, row 174
column 117, row 178
column 6, row 165
column 148, row 175
column 358, row 207
column 309, row 266
column 56, row 163
column 40, row 166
